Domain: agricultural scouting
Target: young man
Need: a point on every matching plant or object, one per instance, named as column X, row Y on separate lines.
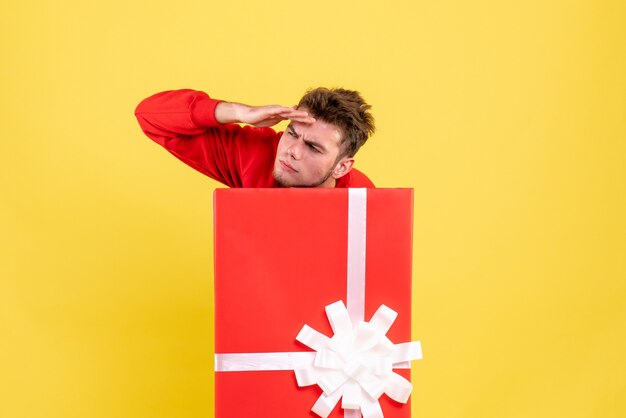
column 317, row 149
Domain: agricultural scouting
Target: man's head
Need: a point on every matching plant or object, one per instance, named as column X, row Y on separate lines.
column 316, row 154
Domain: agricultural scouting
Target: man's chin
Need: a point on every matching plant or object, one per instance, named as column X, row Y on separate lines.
column 283, row 182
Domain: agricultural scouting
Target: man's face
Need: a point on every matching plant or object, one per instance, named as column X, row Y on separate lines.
column 307, row 155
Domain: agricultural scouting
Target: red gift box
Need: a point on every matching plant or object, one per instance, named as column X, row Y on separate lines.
column 282, row 256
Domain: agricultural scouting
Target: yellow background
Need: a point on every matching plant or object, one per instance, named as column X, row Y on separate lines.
column 508, row 119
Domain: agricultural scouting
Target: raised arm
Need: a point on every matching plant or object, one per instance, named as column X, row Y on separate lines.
column 203, row 132
column 189, row 112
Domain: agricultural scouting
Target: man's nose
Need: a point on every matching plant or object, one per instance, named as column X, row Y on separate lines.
column 294, row 151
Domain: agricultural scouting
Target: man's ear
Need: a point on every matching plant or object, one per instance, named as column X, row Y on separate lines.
column 343, row 167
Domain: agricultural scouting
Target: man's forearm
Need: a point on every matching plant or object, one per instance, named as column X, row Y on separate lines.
column 228, row 112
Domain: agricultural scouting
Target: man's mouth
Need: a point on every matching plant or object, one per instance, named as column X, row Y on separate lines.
column 287, row 166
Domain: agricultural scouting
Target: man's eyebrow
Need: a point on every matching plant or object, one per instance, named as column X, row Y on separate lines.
column 307, row 141
column 290, row 126
column 315, row 144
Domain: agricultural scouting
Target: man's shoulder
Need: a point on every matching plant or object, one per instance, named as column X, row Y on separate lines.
column 257, row 151
column 252, row 132
column 257, row 143
column 355, row 179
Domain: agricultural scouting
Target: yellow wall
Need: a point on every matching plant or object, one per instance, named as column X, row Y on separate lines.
column 508, row 120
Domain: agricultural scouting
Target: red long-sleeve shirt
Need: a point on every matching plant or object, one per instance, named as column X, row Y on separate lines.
column 183, row 122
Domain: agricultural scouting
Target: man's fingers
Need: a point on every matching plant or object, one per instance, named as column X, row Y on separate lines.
column 308, row 120
column 275, row 113
column 281, row 109
column 302, row 119
column 298, row 116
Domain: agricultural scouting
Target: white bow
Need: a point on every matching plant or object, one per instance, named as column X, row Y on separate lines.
column 355, row 365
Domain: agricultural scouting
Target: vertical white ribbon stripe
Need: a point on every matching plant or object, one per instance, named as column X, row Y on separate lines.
column 357, row 228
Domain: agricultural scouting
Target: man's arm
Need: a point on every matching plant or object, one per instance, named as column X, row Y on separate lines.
column 190, row 112
column 201, row 132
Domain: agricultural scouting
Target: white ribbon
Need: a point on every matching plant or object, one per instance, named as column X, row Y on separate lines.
column 357, row 230
column 355, row 365
column 245, row 362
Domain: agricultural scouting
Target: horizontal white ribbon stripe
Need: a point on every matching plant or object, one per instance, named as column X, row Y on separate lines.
column 286, row 360
column 242, row 362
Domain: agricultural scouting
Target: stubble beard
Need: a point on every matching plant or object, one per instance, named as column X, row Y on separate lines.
column 310, row 185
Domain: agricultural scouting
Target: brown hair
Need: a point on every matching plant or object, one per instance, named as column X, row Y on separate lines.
column 345, row 109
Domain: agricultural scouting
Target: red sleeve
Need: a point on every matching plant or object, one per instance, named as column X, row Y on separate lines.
column 183, row 122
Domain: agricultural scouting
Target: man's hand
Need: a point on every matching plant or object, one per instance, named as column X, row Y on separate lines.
column 259, row 116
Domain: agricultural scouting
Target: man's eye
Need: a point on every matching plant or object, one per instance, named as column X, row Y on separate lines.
column 313, row 147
